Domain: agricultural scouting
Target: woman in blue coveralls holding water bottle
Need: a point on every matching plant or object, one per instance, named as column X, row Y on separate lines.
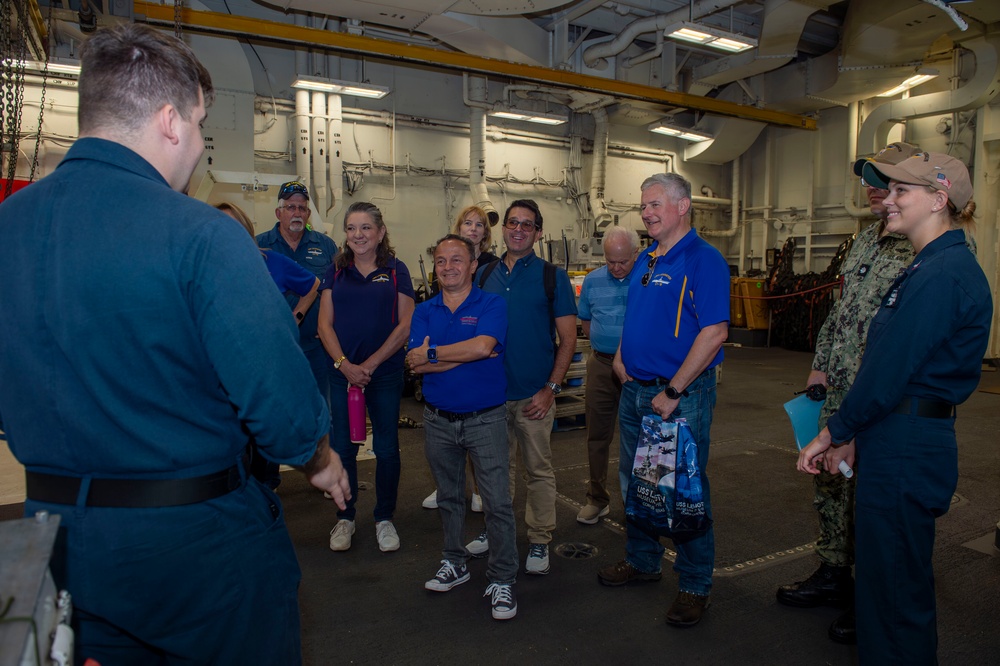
column 922, row 358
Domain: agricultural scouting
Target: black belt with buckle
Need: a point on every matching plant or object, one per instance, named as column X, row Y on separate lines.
column 134, row 493
column 609, row 357
column 928, row 409
column 657, row 381
column 461, row 416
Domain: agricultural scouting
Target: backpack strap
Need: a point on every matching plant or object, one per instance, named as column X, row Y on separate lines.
column 490, row 267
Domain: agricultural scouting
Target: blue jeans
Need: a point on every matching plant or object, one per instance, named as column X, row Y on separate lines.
column 696, row 557
column 484, row 438
column 382, row 397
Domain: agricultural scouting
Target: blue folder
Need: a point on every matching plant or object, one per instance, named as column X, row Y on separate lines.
column 804, row 414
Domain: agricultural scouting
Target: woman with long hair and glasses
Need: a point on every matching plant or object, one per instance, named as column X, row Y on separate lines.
column 366, row 302
column 922, row 358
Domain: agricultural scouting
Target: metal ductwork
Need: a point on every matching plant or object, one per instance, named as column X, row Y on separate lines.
column 858, row 69
column 475, row 90
column 781, row 28
column 982, row 88
column 594, row 56
column 599, row 169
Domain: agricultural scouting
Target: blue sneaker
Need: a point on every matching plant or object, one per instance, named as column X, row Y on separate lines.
column 504, row 602
column 448, row 576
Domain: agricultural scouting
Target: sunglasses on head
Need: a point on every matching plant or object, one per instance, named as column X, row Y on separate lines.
column 293, row 187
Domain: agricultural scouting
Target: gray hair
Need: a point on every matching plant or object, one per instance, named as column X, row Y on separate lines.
column 677, row 187
column 626, row 234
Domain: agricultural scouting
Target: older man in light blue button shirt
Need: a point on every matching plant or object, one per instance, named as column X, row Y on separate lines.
column 602, row 313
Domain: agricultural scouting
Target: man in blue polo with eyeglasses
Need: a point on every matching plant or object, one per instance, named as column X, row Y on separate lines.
column 676, row 319
column 292, row 237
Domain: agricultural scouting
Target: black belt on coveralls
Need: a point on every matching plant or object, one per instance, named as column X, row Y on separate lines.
column 929, row 409
column 461, row 416
column 134, row 493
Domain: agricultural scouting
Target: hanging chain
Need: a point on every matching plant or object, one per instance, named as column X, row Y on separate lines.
column 178, row 4
column 14, row 49
column 41, row 103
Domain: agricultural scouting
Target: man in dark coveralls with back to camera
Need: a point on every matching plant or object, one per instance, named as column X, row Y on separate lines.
column 135, row 368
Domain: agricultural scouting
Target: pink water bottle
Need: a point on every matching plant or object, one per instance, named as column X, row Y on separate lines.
column 356, row 413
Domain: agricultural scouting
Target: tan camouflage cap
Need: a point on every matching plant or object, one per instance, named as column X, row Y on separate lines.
column 894, row 153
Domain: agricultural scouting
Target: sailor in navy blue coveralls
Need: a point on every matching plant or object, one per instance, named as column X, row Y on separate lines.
column 923, row 357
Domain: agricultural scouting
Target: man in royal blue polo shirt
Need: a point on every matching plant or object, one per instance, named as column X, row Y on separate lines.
column 676, row 320
column 292, row 237
column 602, row 313
column 457, row 344
column 536, row 365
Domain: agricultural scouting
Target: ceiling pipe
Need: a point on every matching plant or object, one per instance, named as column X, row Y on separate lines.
column 474, row 93
column 599, row 169
column 595, row 56
column 319, row 121
column 629, row 62
column 851, row 182
column 979, row 91
column 335, row 152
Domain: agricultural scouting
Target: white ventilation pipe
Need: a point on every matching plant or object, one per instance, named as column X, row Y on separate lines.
column 851, row 183
column 474, row 95
column 319, row 189
column 335, row 153
column 599, row 171
column 734, row 217
column 979, row 91
column 300, row 142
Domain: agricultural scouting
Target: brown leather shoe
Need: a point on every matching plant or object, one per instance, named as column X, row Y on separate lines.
column 622, row 572
column 687, row 609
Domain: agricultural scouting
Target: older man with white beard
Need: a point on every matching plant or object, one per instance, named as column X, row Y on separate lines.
column 292, row 237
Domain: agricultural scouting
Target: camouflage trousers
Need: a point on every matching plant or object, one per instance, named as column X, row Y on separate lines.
column 834, row 501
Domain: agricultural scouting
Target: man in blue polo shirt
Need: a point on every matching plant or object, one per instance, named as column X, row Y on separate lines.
column 292, row 237
column 457, row 344
column 535, row 365
column 676, row 320
column 602, row 313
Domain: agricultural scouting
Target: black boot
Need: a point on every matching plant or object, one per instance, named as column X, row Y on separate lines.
column 843, row 630
column 832, row 586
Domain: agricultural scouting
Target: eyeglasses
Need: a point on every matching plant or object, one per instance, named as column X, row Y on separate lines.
column 649, row 270
column 523, row 225
column 295, row 208
column 293, row 187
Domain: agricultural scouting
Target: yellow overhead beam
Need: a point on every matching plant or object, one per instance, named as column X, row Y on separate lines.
column 381, row 48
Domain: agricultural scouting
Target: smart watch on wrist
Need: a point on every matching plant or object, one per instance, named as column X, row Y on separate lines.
column 432, row 354
column 672, row 393
column 300, row 315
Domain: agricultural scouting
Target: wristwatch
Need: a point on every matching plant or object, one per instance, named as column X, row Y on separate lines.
column 336, row 364
column 672, row 393
column 555, row 388
column 432, row 354
column 300, row 315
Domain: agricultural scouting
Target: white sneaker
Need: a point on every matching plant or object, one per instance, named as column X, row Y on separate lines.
column 340, row 535
column 480, row 546
column 431, row 501
column 385, row 533
column 538, row 559
column 477, row 503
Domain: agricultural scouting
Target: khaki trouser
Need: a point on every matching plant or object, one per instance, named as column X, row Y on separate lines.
column 531, row 438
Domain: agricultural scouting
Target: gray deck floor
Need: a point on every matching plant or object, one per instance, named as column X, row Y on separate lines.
column 366, row 607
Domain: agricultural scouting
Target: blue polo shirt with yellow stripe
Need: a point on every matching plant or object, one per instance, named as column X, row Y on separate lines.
column 687, row 290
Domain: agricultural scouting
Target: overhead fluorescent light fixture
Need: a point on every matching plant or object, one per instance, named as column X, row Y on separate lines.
column 340, row 87
column 51, row 67
column 680, row 132
column 695, row 33
column 529, row 116
column 922, row 76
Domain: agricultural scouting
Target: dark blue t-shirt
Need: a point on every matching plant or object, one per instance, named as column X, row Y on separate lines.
column 288, row 275
column 366, row 310
column 530, row 346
